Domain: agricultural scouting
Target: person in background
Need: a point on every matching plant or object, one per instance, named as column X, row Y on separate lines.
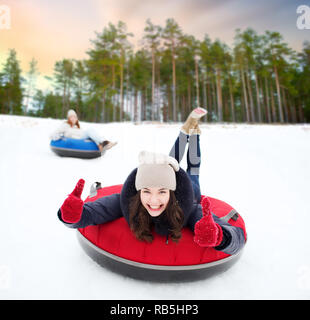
column 71, row 129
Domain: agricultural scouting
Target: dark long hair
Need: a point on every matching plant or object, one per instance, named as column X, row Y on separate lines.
column 140, row 220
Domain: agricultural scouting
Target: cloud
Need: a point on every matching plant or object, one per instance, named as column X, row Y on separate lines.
column 50, row 31
column 46, row 33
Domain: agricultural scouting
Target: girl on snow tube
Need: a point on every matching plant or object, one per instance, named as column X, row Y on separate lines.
column 160, row 196
column 71, row 129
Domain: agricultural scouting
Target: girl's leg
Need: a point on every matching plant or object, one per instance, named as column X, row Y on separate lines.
column 190, row 133
column 191, row 123
column 93, row 135
column 179, row 146
column 193, row 163
column 193, row 155
column 193, row 158
column 99, row 140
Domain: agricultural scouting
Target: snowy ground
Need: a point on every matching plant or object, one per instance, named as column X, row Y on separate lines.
column 262, row 171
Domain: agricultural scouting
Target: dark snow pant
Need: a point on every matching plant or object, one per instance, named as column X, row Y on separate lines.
column 193, row 158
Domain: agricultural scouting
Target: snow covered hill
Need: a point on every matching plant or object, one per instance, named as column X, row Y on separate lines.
column 262, row 171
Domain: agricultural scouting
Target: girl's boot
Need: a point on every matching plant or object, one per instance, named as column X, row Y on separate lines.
column 193, row 119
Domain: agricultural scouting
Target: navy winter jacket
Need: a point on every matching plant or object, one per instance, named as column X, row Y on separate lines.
column 114, row 206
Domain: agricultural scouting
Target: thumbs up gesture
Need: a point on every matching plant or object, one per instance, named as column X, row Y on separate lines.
column 207, row 232
column 72, row 208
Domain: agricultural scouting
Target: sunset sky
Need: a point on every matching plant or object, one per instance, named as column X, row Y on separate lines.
column 53, row 30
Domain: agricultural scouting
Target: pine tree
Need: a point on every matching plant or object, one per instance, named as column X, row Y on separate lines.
column 277, row 52
column 152, row 37
column 30, row 81
column 172, row 33
column 12, row 85
column 64, row 81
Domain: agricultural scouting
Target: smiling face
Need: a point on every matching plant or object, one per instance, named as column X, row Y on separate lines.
column 155, row 200
column 73, row 119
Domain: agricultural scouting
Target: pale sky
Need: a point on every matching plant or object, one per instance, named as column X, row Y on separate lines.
column 52, row 30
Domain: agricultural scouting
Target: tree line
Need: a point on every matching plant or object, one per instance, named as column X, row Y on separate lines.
column 260, row 79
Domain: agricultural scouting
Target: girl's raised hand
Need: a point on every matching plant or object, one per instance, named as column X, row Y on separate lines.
column 72, row 208
column 207, row 232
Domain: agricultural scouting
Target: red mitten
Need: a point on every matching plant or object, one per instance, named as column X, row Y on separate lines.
column 207, row 232
column 72, row 208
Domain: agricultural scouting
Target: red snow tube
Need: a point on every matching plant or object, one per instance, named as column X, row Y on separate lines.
column 113, row 245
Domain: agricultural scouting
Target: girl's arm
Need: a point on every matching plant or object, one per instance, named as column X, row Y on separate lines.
column 102, row 210
column 59, row 132
column 232, row 238
column 74, row 213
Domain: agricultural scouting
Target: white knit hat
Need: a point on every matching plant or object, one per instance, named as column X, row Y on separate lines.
column 70, row 113
column 156, row 170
